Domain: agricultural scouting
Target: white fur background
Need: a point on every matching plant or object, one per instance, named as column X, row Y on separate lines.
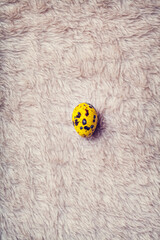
column 54, row 184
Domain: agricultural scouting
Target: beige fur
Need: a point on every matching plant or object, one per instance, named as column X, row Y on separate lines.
column 56, row 185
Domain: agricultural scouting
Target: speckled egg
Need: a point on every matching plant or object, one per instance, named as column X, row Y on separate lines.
column 84, row 118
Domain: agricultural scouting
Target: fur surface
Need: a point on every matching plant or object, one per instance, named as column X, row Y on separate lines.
column 54, row 184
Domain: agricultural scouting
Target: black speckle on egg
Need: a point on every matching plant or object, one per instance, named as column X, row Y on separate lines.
column 90, row 105
column 93, row 120
column 81, row 128
column 92, row 126
column 84, row 121
column 78, row 115
column 76, row 122
column 94, row 116
column 87, row 128
column 87, row 112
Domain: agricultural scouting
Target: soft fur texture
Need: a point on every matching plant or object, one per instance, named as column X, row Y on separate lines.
column 56, row 185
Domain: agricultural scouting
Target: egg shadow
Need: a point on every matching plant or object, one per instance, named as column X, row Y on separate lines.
column 101, row 127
